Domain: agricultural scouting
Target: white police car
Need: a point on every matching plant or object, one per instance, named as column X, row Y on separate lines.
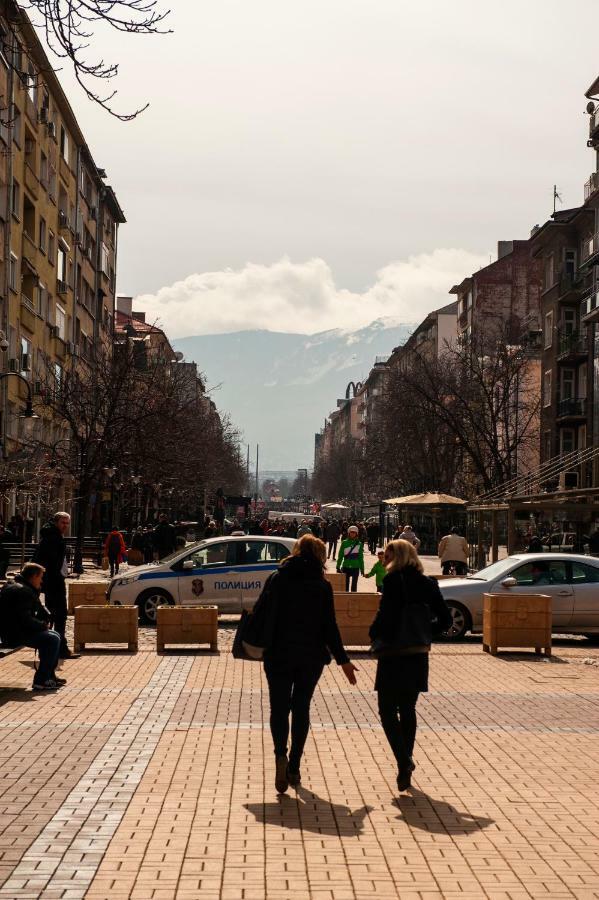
column 226, row 571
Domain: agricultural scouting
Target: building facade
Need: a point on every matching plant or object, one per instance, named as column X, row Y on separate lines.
column 59, row 225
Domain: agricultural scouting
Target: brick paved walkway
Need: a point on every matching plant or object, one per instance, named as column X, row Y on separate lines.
column 151, row 777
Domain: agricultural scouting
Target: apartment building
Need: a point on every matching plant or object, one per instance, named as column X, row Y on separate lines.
column 431, row 337
column 59, row 225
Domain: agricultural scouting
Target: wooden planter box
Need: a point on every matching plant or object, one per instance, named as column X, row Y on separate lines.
column 337, row 580
column 186, row 625
column 355, row 614
column 87, row 593
column 106, row 625
column 517, row 620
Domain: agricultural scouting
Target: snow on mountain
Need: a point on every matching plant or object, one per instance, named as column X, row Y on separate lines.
column 278, row 388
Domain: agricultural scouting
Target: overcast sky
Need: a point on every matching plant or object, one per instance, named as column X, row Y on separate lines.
column 338, row 148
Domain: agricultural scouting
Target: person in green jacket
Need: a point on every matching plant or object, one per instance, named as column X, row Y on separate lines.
column 379, row 571
column 351, row 558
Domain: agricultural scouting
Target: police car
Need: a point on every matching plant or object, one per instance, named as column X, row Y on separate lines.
column 226, row 571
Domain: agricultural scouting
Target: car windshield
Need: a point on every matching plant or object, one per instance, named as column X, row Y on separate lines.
column 495, row 570
column 177, row 553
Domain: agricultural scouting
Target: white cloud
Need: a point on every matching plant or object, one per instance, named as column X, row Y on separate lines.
column 303, row 297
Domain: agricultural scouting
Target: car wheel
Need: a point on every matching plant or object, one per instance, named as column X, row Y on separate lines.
column 148, row 603
column 460, row 621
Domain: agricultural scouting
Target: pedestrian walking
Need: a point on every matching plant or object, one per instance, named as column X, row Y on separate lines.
column 372, row 532
column 51, row 553
column 378, row 571
column 453, row 552
column 409, row 535
column 25, row 621
column 535, row 544
column 115, row 549
column 332, row 535
column 298, row 603
column 164, row 537
column 594, row 543
column 303, row 529
column 411, row 609
column 351, row 558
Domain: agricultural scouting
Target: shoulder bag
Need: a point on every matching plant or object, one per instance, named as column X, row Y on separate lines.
column 415, row 629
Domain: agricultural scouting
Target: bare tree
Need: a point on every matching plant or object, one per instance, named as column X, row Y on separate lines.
column 70, row 26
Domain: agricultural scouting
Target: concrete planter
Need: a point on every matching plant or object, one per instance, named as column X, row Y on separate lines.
column 106, row 625
column 87, row 593
column 337, row 580
column 186, row 625
column 517, row 620
column 355, row 614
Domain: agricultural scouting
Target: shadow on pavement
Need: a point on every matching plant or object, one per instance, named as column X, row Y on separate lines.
column 309, row 812
column 418, row 810
column 18, row 695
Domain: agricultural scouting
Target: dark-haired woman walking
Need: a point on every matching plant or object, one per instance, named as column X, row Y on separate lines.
column 304, row 631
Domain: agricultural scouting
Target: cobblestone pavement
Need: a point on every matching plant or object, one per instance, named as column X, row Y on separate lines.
column 151, row 777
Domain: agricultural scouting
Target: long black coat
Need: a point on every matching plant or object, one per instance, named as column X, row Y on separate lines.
column 22, row 614
column 406, row 673
column 50, row 553
column 299, row 608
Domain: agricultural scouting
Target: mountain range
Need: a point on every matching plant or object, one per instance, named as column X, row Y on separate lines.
column 278, row 388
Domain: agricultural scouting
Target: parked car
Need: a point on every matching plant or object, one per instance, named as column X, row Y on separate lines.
column 562, row 542
column 572, row 582
column 226, row 571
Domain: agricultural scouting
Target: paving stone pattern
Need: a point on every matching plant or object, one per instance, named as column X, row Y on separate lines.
column 152, row 777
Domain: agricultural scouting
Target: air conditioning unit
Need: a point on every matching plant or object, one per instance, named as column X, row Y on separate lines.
column 37, row 388
column 13, row 365
column 94, row 213
column 42, row 115
column 25, row 362
column 52, row 130
column 61, row 287
column 78, row 240
column 63, row 221
column 54, row 330
column 568, row 481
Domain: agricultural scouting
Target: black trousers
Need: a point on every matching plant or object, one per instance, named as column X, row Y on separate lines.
column 397, row 710
column 332, row 549
column 55, row 597
column 372, row 545
column 291, row 688
column 460, row 567
column 114, row 564
column 351, row 576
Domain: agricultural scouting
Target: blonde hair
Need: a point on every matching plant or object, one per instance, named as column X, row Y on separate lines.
column 403, row 554
column 310, row 548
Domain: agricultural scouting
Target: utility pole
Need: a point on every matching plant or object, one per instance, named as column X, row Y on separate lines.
column 257, row 458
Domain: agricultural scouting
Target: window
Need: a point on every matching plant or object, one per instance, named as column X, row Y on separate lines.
column 61, row 322
column 16, row 199
column 42, row 296
column 567, row 387
column 568, row 320
column 547, row 388
column 582, row 574
column 16, row 125
column 105, row 264
column 42, row 235
column 64, row 144
column 222, row 554
column 582, row 381
column 567, row 440
column 570, row 262
column 31, row 84
column 4, row 45
column 25, row 355
column 549, row 272
column 51, row 246
column 61, row 263
column 12, row 274
column 548, row 330
column 541, row 572
column 547, row 453
column 44, row 170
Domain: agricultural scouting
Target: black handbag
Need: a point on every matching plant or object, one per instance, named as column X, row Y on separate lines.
column 242, row 649
column 415, row 630
column 255, row 631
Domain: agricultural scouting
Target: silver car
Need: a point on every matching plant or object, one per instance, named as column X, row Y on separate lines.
column 572, row 582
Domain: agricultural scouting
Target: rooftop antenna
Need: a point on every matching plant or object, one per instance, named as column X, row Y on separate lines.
column 556, row 198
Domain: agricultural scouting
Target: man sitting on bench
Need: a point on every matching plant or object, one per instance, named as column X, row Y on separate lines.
column 25, row 621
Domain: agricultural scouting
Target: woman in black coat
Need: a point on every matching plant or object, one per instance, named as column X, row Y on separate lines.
column 298, row 602
column 403, row 674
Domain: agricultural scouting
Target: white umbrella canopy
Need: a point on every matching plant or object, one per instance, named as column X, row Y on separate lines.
column 427, row 499
column 334, row 506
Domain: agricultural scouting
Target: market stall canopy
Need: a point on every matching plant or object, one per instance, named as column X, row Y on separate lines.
column 333, row 506
column 429, row 499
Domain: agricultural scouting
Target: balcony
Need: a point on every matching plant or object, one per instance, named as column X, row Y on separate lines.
column 570, row 283
column 590, row 307
column 571, row 346
column 572, row 408
column 594, row 123
column 590, row 249
column 63, row 221
column 591, row 187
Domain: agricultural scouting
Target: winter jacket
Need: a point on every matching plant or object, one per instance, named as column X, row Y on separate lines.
column 453, row 548
column 410, row 537
column 303, row 529
column 373, row 532
column 22, row 614
column 114, row 546
column 351, row 555
column 333, row 532
column 379, row 571
column 50, row 553
column 296, row 605
column 164, row 539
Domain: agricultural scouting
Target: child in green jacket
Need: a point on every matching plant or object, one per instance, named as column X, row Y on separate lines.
column 351, row 558
column 379, row 571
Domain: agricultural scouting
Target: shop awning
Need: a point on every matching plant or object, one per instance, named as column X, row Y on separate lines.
column 426, row 499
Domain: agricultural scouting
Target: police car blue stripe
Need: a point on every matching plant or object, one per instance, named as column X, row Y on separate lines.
column 213, row 570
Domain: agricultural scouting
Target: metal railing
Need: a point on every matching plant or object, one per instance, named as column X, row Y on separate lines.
column 536, row 481
column 591, row 186
column 571, row 343
column 571, row 407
